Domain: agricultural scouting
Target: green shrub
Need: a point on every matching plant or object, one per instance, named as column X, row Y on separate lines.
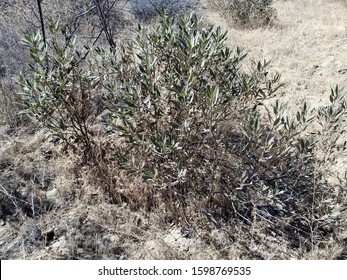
column 278, row 176
column 60, row 93
column 197, row 129
column 172, row 89
column 196, row 126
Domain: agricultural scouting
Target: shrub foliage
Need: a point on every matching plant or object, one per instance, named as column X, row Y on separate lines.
column 61, row 93
column 192, row 123
column 171, row 90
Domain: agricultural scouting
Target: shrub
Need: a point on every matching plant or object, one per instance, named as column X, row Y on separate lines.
column 247, row 13
column 172, row 90
column 279, row 177
column 60, row 93
column 196, row 128
column 147, row 9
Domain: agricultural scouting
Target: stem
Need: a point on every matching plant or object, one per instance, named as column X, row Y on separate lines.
column 41, row 21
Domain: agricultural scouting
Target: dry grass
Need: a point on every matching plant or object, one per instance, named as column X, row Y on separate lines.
column 308, row 48
column 53, row 209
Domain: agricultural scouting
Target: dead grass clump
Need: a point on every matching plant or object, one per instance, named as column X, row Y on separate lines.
column 148, row 9
column 247, row 14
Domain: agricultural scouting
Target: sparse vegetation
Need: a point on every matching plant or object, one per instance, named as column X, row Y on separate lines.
column 247, row 13
column 172, row 129
column 148, row 9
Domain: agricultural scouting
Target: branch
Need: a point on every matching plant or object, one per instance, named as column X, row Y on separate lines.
column 41, row 21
